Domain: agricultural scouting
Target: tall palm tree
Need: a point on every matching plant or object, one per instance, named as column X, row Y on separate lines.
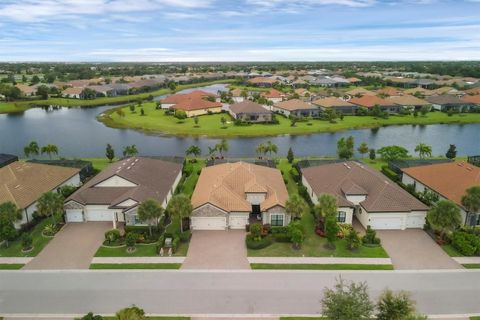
column 296, row 206
column 271, row 148
column 423, row 150
column 180, row 206
column 222, row 146
column 50, row 149
column 326, row 207
column 193, row 150
column 261, row 149
column 50, row 204
column 150, row 212
column 31, row 149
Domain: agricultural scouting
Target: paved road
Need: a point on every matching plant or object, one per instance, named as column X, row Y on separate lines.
column 222, row 292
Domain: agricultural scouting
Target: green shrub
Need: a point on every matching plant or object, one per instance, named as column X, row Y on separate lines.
column 352, row 239
column 277, row 230
column 390, row 173
column 295, row 175
column 467, row 244
column 303, row 192
column 282, row 237
column 297, row 237
column 256, row 231
column 112, row 235
column 295, row 225
column 256, row 244
column 26, row 241
column 131, row 239
column 185, row 236
column 49, row 229
column 370, row 237
column 175, row 243
column 161, row 241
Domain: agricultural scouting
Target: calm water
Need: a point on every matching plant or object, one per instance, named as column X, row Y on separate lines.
column 78, row 134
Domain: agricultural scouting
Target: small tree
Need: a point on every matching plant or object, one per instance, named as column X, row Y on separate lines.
column 110, row 152
column 131, row 239
column 445, row 216
column 297, row 238
column 424, row 110
column 363, row 149
column 296, row 206
column 132, row 313
column 372, row 155
column 326, row 207
column 91, row 316
column 256, row 231
column 290, row 156
column 345, row 147
column 347, row 301
column 451, row 152
column 132, row 108
column 222, row 146
column 50, row 149
column 180, row 206
column 223, row 121
column 370, row 236
column 9, row 214
column 390, row 153
column 353, row 240
column 26, row 241
column 180, row 115
column 331, row 230
column 130, row 151
column 196, row 120
column 150, row 212
column 50, row 204
column 471, row 200
column 395, row 306
column 31, row 149
column 142, row 112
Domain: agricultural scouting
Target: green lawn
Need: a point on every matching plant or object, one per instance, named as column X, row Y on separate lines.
column 99, row 163
column 474, row 318
column 268, row 266
column 13, row 266
column 23, row 105
column 39, row 242
column 451, row 251
column 188, row 184
column 142, row 251
column 210, row 125
column 154, row 318
column 135, row 266
column 303, row 318
column 472, row 266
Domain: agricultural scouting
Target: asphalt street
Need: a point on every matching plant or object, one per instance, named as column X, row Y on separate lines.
column 222, row 292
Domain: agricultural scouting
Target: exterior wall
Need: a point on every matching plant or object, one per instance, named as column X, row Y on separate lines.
column 266, row 216
column 349, row 214
column 115, row 181
column 192, row 113
column 281, row 111
column 172, row 190
column 253, row 117
column 255, row 198
column 130, row 218
column 238, row 99
column 312, row 195
column 275, row 100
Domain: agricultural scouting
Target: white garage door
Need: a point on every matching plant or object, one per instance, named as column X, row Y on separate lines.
column 416, row 221
column 208, row 223
column 238, row 222
column 386, row 223
column 74, row 215
column 99, row 215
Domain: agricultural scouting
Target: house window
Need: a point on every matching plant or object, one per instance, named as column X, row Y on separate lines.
column 136, row 220
column 341, row 216
column 276, row 220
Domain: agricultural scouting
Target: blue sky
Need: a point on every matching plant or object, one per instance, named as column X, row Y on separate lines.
column 243, row 30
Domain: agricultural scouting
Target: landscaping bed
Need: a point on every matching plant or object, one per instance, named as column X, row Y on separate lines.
column 280, row 266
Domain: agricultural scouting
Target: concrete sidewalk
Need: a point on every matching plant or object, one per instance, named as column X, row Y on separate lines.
column 120, row 260
column 15, row 260
column 320, row 260
column 467, row 260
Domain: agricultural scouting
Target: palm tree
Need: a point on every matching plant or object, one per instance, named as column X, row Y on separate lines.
column 296, row 206
column 50, row 149
column 130, row 151
column 471, row 201
column 50, row 204
column 150, row 211
column 193, row 150
column 444, row 216
column 222, row 146
column 261, row 149
column 423, row 150
column 326, row 207
column 31, row 149
column 180, row 206
column 271, row 147
column 212, row 151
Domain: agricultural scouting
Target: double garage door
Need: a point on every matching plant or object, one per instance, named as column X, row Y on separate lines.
column 76, row 215
column 208, row 223
column 397, row 222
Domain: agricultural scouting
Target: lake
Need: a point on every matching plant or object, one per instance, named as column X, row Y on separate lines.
column 77, row 133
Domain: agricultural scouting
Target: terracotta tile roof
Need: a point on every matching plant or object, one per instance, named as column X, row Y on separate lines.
column 474, row 91
column 472, row 99
column 24, row 182
column 332, row 102
column 408, row 100
column 72, row 91
column 224, row 186
column 420, row 90
column 237, row 92
column 258, row 80
column 353, row 80
column 248, row 107
column 391, row 91
column 370, row 101
column 360, row 91
column 445, row 90
column 353, row 178
column 273, row 93
column 448, row 179
column 179, row 97
column 294, row 104
column 194, row 100
column 153, row 178
column 301, row 91
column 26, row 89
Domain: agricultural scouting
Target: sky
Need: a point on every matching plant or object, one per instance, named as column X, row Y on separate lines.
column 242, row 30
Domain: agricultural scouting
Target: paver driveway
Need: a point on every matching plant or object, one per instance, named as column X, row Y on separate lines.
column 217, row 250
column 414, row 249
column 72, row 248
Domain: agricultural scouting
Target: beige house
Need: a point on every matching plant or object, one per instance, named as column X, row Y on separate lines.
column 232, row 195
column 24, row 182
column 195, row 103
column 251, row 112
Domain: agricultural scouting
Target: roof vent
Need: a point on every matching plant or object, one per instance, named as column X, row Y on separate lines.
column 128, row 168
column 469, row 168
column 347, row 166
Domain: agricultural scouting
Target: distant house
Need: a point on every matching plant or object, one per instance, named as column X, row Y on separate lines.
column 419, row 91
column 355, row 81
column 233, row 195
column 389, row 91
column 448, row 102
column 263, row 82
column 237, row 95
column 372, row 101
column 365, row 194
column 408, row 101
column 448, row 180
column 273, row 95
column 358, row 92
column 295, row 107
column 103, row 90
column 249, row 111
column 473, row 100
column 72, row 93
column 115, row 193
column 337, row 104
column 302, row 92
column 27, row 91
column 23, row 183
column 195, row 103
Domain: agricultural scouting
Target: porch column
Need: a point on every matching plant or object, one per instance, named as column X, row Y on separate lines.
column 114, row 220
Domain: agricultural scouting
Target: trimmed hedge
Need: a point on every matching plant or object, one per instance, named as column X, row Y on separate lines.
column 390, row 173
column 185, row 236
column 258, row 244
column 283, row 237
column 276, row 230
column 467, row 244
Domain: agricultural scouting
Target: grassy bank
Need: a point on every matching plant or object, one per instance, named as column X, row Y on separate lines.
column 18, row 106
column 211, row 125
column 270, row 266
column 11, row 266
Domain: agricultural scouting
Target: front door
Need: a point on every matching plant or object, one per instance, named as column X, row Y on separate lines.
column 256, row 215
